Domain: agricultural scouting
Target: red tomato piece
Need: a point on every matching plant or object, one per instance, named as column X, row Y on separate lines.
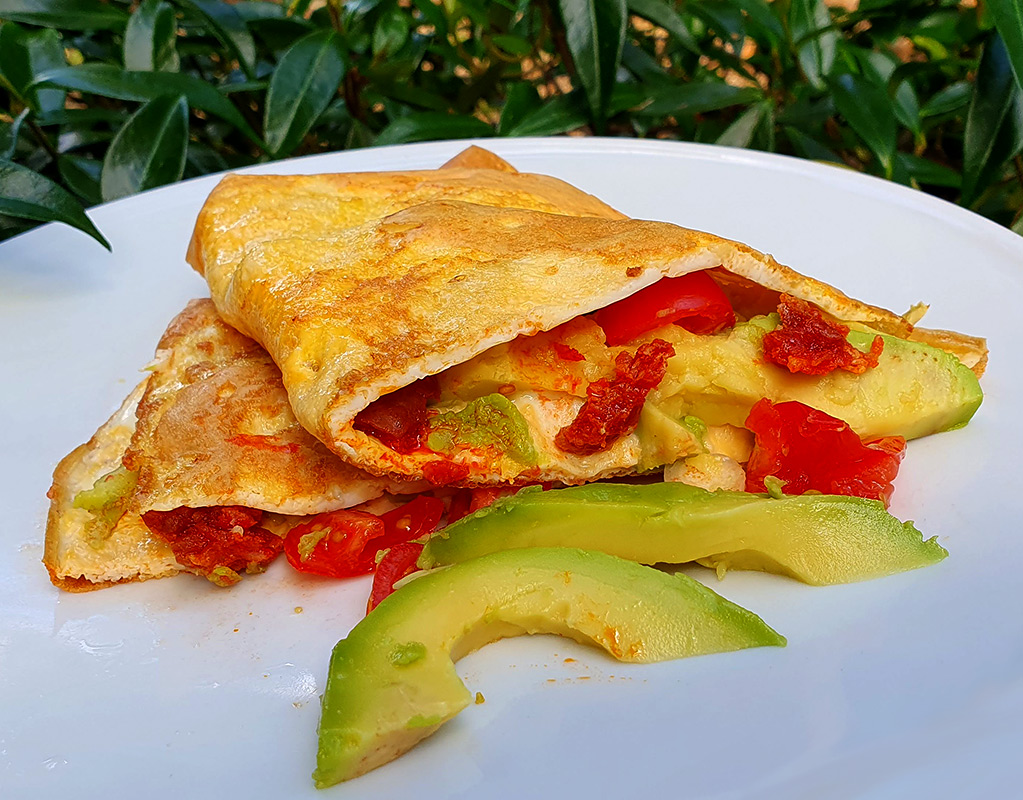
column 417, row 518
column 811, row 450
column 461, row 502
column 399, row 419
column 468, row 501
column 398, row 562
column 204, row 539
column 808, row 342
column 336, row 546
column 444, row 473
column 613, row 405
column 693, row 301
column 567, row 353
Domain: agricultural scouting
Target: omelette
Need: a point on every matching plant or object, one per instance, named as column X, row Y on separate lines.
column 478, row 309
column 208, row 429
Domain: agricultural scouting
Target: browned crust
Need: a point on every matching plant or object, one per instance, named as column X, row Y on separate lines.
column 80, row 585
column 215, row 428
column 970, row 350
column 474, row 157
column 70, row 562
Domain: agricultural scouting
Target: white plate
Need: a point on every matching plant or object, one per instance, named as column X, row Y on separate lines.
column 892, row 688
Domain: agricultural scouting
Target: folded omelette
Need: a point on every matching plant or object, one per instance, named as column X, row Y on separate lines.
column 209, row 428
column 481, row 301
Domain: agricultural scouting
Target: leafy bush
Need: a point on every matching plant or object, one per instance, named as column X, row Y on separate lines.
column 103, row 98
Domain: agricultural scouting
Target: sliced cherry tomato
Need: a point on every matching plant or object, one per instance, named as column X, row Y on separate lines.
column 398, row 562
column 399, row 419
column 810, row 450
column 417, row 518
column 692, row 301
column 334, row 544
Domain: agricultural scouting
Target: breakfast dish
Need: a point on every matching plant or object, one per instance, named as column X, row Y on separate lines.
column 231, row 678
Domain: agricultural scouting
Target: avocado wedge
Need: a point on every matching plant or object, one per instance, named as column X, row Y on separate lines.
column 817, row 539
column 915, row 389
column 392, row 680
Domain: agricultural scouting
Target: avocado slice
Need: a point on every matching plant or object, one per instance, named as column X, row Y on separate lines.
column 914, row 390
column 392, row 681
column 818, row 539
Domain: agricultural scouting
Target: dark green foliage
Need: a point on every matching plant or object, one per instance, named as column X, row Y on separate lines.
column 103, row 98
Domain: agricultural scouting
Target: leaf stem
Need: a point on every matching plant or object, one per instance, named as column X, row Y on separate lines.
column 42, row 138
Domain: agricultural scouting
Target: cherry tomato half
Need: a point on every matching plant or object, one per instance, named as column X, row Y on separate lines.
column 692, row 301
column 334, row 544
column 417, row 518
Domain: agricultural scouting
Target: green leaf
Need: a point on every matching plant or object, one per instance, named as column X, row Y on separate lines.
column 150, row 37
column 663, row 15
column 740, row 133
column 82, row 117
column 149, row 150
column 23, row 55
column 809, row 148
column 107, row 80
column 628, row 97
column 28, row 195
column 228, row 26
column 1017, row 226
column 429, row 125
column 868, row 110
column 994, row 123
column 520, row 100
column 68, row 15
column 925, row 171
column 513, row 45
column 1008, row 16
column 390, row 32
column 302, row 86
column 595, row 30
column 881, row 67
column 557, row 115
column 725, row 20
column 814, row 41
column 948, row 100
column 250, row 10
column 697, row 98
column 9, row 134
column 763, row 16
column 82, row 175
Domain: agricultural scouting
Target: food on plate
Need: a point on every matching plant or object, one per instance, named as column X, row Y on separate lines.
column 208, row 478
column 124, row 549
column 520, row 345
column 392, row 680
column 244, row 210
column 814, row 538
column 470, row 331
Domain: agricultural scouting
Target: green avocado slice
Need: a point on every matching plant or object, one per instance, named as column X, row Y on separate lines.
column 817, row 539
column 914, row 390
column 392, row 681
